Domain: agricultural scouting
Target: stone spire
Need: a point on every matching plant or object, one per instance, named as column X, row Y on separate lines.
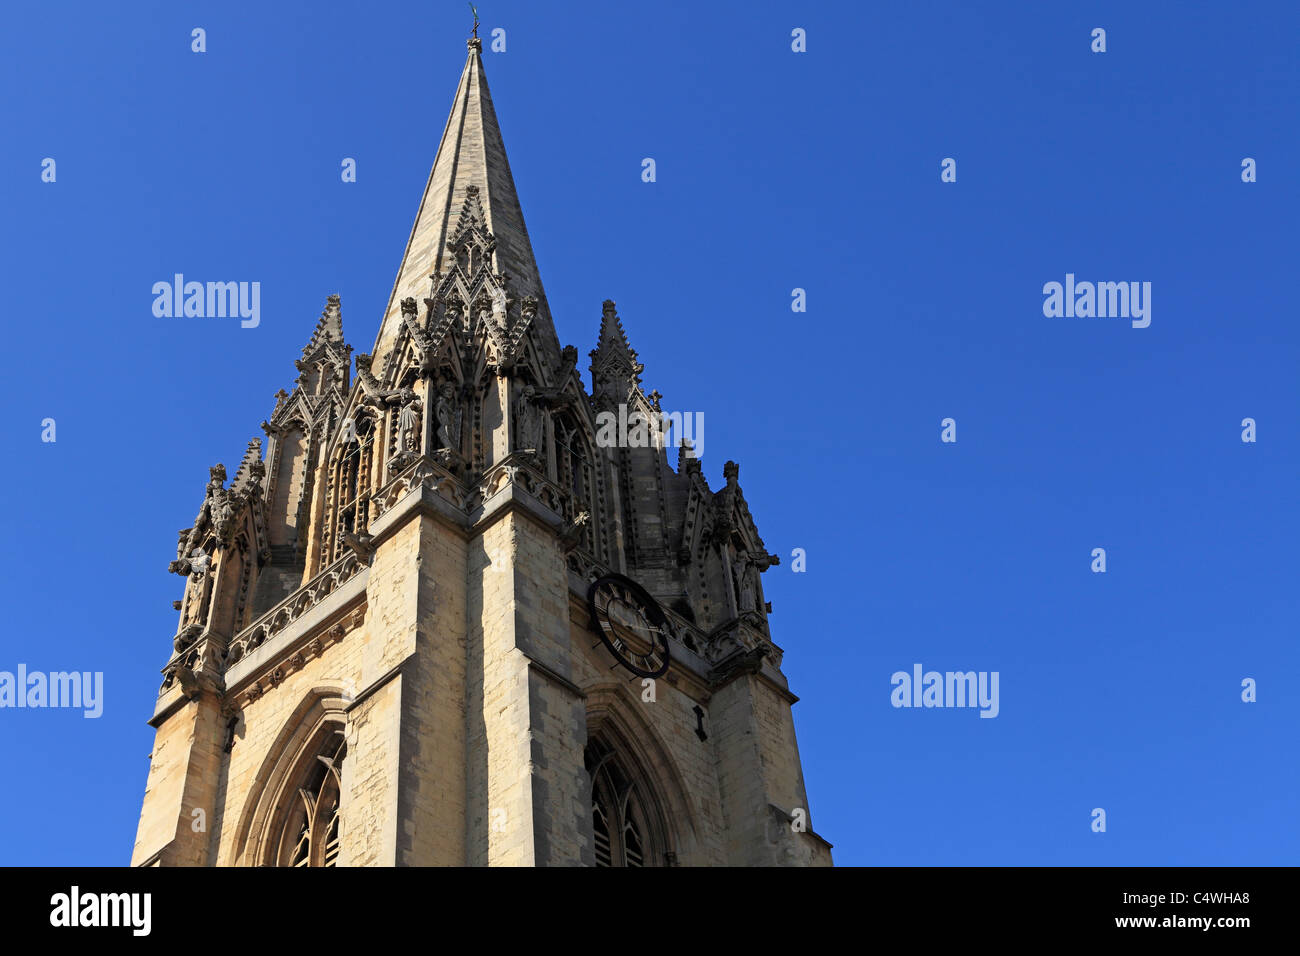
column 470, row 172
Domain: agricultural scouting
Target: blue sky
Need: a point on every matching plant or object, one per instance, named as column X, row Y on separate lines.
column 775, row 170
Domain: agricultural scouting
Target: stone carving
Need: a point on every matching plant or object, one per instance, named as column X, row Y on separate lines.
column 500, row 307
column 529, row 413
column 410, row 320
column 423, row 473
column 294, row 606
column 449, row 412
column 216, row 515
column 232, row 722
column 186, row 637
column 408, row 420
column 742, row 571
column 533, row 401
column 509, row 472
column 372, row 392
column 573, row 531
column 193, row 605
column 745, row 568
column 273, row 674
column 410, row 428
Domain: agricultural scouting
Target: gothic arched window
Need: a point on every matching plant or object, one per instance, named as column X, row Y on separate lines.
column 349, row 485
column 309, row 835
column 622, row 820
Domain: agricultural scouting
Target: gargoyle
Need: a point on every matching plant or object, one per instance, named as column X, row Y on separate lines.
column 572, row 532
column 374, row 393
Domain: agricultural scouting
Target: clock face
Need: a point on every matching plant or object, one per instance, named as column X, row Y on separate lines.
column 630, row 624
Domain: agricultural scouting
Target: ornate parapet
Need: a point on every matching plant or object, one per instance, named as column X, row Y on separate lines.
column 271, row 677
column 521, row 469
column 305, row 599
column 421, row 472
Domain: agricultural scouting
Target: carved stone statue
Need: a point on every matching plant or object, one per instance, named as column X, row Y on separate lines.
column 529, row 434
column 500, row 306
column 215, row 514
column 745, row 569
column 408, row 421
column 198, row 562
column 742, row 569
column 448, row 412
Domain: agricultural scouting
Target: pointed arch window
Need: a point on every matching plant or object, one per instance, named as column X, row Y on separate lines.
column 349, row 485
column 622, row 814
column 310, row 832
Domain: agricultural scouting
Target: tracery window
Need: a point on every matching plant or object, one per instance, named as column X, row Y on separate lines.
column 620, row 818
column 310, row 836
column 349, row 486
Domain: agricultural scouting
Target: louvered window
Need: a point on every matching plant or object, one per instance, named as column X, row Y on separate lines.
column 311, row 832
column 618, row 812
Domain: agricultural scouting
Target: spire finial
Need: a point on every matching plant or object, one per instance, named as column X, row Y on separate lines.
column 474, row 43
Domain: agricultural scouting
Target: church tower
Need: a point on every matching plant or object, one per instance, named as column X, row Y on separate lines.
column 447, row 616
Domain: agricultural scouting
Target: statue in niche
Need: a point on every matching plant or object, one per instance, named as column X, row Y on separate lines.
column 745, row 569
column 742, row 571
column 500, row 307
column 529, row 413
column 448, row 412
column 532, row 402
column 409, row 424
column 215, row 514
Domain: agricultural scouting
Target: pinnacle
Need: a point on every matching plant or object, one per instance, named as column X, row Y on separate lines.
column 329, row 327
column 613, row 357
column 250, row 468
column 612, row 335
